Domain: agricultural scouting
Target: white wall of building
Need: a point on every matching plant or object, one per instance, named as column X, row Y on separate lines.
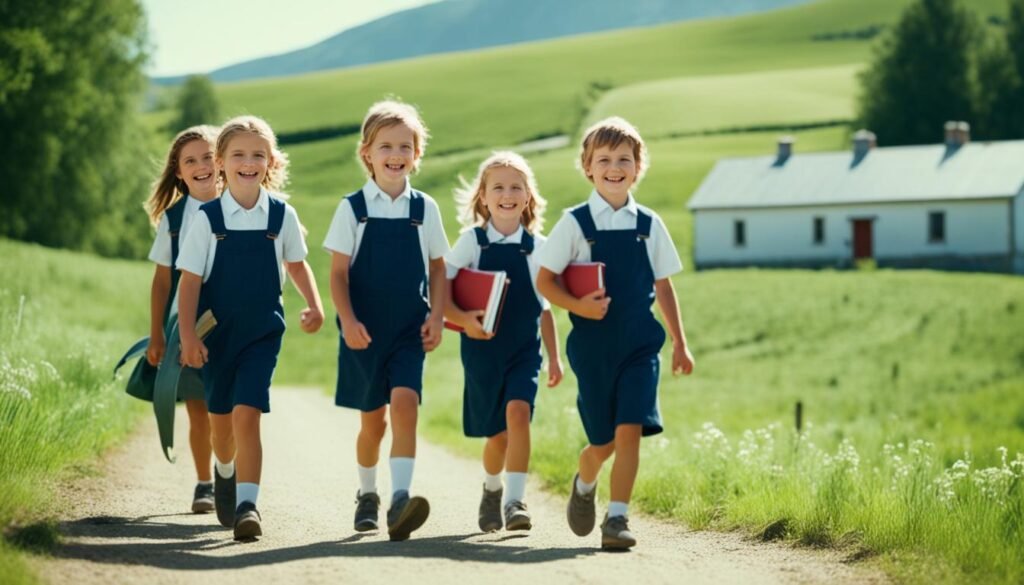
column 900, row 230
column 1018, row 225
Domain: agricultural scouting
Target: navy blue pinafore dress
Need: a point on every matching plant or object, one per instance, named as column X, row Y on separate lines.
column 505, row 367
column 387, row 287
column 615, row 359
column 244, row 293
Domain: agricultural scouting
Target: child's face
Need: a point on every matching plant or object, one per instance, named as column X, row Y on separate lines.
column 195, row 167
column 613, row 170
column 246, row 160
column 505, row 194
column 392, row 154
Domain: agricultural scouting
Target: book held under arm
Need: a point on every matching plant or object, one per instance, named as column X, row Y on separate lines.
column 480, row 290
column 583, row 278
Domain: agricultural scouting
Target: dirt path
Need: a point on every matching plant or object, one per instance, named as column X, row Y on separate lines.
column 132, row 526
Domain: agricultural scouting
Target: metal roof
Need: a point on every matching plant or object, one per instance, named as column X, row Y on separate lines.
column 976, row 170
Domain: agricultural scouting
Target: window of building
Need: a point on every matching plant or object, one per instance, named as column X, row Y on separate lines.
column 819, row 230
column 937, row 226
column 739, row 233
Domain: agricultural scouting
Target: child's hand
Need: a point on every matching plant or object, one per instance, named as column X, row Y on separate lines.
column 356, row 336
column 682, row 360
column 193, row 352
column 311, row 319
column 156, row 349
column 474, row 327
column 430, row 332
column 593, row 306
column 554, row 373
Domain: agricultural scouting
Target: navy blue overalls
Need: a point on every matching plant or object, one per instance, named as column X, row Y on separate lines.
column 616, row 358
column 506, row 366
column 190, row 382
column 387, row 287
column 244, row 293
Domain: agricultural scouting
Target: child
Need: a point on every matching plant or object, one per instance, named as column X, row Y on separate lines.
column 614, row 343
column 385, row 240
column 187, row 181
column 503, row 209
column 232, row 264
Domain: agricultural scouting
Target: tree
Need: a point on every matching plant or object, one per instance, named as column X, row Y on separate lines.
column 997, row 108
column 197, row 103
column 922, row 74
column 70, row 78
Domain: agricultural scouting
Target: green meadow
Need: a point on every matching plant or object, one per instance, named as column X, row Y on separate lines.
column 910, row 381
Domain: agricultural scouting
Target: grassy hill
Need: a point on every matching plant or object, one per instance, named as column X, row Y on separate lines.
column 461, row 25
column 512, row 94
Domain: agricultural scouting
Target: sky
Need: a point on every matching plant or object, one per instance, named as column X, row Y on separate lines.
column 198, row 36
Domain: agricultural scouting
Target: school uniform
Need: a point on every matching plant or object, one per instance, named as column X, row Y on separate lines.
column 174, row 223
column 507, row 366
column 240, row 254
column 615, row 359
column 390, row 242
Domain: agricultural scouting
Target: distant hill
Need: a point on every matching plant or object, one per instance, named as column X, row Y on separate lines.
column 458, row 25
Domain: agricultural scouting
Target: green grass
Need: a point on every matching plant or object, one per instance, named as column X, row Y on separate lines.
column 701, row 103
column 508, row 95
column 62, row 323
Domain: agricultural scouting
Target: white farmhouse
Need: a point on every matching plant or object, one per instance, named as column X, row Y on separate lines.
column 958, row 205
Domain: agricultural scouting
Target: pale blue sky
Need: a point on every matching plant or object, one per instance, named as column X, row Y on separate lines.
column 197, row 36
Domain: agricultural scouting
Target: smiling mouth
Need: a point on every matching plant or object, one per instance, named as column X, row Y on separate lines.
column 508, row 206
column 394, row 167
column 615, row 180
column 202, row 177
column 251, row 175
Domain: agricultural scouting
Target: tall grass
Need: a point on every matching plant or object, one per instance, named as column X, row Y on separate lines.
column 62, row 321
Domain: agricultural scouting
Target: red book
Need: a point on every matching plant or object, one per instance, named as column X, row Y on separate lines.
column 583, row 278
column 480, row 290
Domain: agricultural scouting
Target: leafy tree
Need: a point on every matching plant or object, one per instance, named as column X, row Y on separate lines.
column 73, row 154
column 922, row 74
column 197, row 103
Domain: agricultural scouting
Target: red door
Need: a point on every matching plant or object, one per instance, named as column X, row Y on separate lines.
column 862, row 239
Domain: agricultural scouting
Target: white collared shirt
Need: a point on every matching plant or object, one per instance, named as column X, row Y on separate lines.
column 566, row 242
column 200, row 245
column 160, row 252
column 346, row 233
column 466, row 254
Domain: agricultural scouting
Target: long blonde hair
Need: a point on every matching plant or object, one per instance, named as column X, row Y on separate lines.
column 389, row 113
column 169, row 188
column 277, row 170
column 469, row 198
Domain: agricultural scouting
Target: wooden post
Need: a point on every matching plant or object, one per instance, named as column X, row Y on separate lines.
column 799, row 416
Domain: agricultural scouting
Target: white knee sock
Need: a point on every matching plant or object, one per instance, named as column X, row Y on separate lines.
column 367, row 479
column 584, row 488
column 247, row 492
column 492, row 483
column 515, row 489
column 618, row 509
column 225, row 470
column 401, row 473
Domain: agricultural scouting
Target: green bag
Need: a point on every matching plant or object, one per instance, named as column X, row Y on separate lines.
column 141, row 382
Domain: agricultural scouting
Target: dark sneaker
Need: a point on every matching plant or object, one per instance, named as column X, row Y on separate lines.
column 247, row 522
column 490, row 510
column 202, row 500
column 581, row 511
column 224, row 498
column 615, row 534
column 367, row 510
column 516, row 516
column 406, row 514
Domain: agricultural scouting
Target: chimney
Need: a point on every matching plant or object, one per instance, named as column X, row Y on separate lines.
column 863, row 141
column 785, row 150
column 958, row 133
